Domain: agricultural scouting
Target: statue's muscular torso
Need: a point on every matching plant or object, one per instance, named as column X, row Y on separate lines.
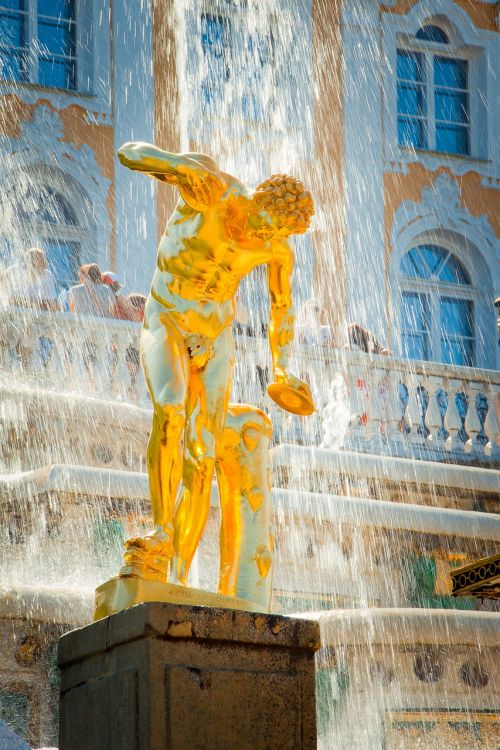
column 202, row 258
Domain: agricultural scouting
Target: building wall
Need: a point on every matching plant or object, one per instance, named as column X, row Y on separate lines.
column 134, row 120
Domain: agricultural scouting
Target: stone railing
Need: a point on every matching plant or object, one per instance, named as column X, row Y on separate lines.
column 98, row 356
column 364, row 402
column 404, row 407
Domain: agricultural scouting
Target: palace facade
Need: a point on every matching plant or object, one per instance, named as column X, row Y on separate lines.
column 388, row 111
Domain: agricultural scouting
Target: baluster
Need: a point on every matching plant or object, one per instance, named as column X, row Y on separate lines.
column 433, row 415
column 491, row 422
column 394, row 408
column 360, row 400
column 452, row 420
column 378, row 398
column 472, row 421
column 413, row 410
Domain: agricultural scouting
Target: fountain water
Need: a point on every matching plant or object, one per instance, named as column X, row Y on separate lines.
column 367, row 526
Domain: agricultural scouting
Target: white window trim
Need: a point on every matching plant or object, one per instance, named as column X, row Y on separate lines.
column 93, row 64
column 480, row 48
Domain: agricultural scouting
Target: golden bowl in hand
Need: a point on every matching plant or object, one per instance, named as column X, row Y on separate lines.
column 296, row 399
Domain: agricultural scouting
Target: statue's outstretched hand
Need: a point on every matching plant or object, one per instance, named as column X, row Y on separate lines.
column 291, row 394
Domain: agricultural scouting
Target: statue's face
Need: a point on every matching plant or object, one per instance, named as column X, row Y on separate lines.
column 260, row 223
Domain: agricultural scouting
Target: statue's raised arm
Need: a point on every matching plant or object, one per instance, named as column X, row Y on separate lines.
column 197, row 175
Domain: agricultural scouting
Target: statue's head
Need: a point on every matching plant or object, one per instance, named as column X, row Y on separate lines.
column 288, row 204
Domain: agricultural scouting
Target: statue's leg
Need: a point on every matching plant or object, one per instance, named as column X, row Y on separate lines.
column 165, row 361
column 245, row 499
column 207, row 405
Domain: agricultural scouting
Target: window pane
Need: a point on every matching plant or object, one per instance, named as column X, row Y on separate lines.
column 456, row 317
column 409, row 66
column 59, row 74
column 415, row 312
column 450, row 72
column 13, row 65
column 453, row 139
column 431, row 33
column 214, row 34
column 415, row 346
column 261, row 47
column 452, row 106
column 11, row 29
column 453, row 272
column 410, row 99
column 13, row 4
column 56, row 8
column 413, row 265
column 64, row 261
column 55, row 38
column 457, row 352
column 433, row 256
column 411, row 132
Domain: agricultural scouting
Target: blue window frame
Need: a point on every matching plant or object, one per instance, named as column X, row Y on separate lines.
column 451, row 105
column 215, row 43
column 433, row 96
column 435, row 323
column 432, row 33
column 457, row 331
column 49, row 221
column 63, row 257
column 13, row 40
column 415, row 319
column 38, row 42
column 227, row 48
column 411, row 100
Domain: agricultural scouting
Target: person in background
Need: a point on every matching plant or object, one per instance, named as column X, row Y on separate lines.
column 311, row 327
column 121, row 309
column 31, row 283
column 63, row 300
column 91, row 296
column 361, row 339
column 137, row 304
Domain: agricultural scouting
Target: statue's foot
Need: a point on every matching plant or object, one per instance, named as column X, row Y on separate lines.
column 148, row 556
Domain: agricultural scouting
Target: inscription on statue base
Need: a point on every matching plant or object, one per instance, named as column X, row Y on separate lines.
column 123, row 592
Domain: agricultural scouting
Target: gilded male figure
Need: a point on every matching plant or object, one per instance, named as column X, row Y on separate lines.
column 218, row 233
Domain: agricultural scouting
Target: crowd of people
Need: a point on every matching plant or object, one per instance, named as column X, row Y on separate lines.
column 30, row 283
column 313, row 330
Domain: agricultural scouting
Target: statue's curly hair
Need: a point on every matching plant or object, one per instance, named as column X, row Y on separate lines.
column 287, row 201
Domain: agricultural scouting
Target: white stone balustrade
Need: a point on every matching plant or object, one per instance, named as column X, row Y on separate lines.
column 398, row 407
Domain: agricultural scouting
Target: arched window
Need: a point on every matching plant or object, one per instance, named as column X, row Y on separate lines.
column 432, row 33
column 42, row 216
column 437, row 307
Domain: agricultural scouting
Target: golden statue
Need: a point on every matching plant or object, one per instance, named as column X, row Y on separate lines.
column 218, row 233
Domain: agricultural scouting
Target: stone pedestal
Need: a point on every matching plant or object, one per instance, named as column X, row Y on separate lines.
column 174, row 677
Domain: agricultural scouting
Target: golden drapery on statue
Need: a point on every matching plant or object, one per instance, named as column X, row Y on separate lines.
column 218, row 233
